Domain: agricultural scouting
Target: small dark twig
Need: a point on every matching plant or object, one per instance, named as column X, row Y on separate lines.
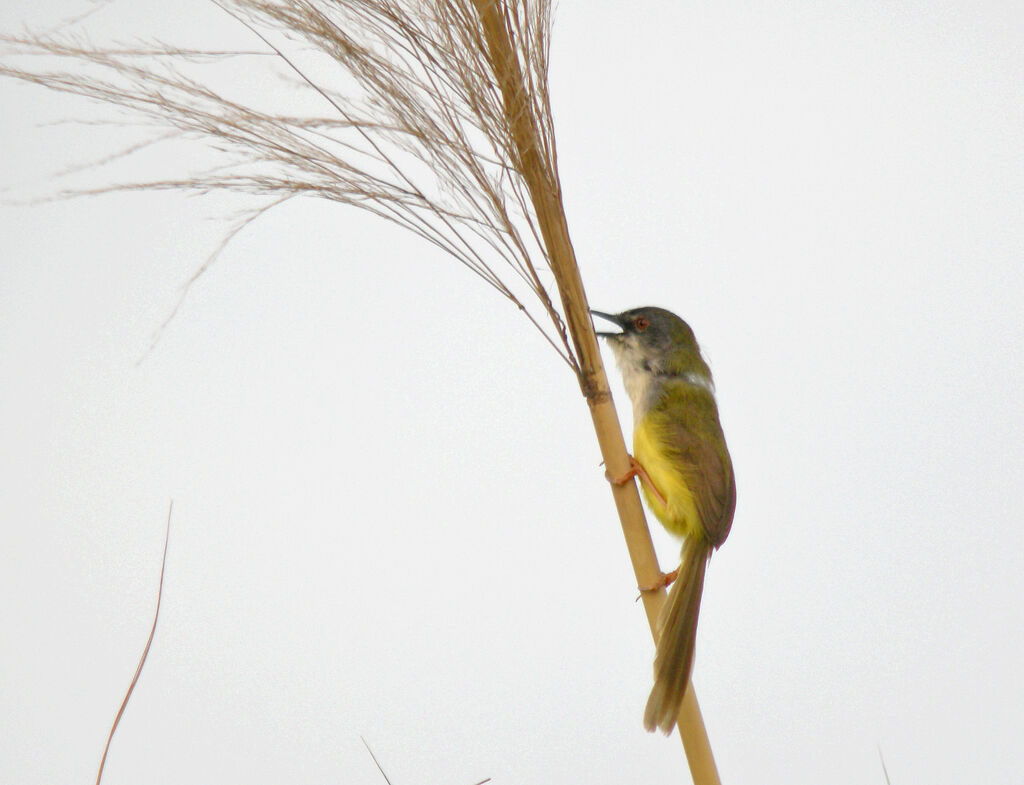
column 885, row 771
column 379, row 767
column 385, row 776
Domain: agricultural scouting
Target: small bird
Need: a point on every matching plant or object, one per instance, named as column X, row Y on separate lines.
column 686, row 474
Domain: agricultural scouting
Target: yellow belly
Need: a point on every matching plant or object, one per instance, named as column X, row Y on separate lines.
column 679, row 513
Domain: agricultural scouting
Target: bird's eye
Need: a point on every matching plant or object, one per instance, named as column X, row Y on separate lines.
column 640, row 323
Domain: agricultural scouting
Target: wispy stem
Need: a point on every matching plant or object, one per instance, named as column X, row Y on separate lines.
column 145, row 651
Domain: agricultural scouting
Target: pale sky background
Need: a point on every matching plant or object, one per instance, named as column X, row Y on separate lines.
column 390, row 520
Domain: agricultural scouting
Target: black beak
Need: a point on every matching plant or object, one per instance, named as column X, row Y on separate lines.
column 614, row 319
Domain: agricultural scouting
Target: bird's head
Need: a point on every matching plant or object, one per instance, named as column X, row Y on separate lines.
column 652, row 339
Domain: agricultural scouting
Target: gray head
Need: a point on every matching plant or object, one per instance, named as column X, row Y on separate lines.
column 655, row 346
column 653, row 337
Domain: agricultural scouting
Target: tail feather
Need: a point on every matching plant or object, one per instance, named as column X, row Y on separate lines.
column 678, row 633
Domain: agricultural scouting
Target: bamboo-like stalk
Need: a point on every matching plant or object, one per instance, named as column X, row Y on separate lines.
column 456, row 72
column 544, row 192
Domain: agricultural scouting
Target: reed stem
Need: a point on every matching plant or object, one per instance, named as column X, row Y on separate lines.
column 542, row 184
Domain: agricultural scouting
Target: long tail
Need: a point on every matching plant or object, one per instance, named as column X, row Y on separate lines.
column 678, row 623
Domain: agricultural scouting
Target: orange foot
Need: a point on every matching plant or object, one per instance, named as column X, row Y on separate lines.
column 636, row 470
column 666, row 580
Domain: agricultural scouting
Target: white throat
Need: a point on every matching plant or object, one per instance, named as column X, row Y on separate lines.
column 645, row 386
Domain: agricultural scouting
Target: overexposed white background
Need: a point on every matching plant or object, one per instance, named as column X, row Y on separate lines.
column 390, row 520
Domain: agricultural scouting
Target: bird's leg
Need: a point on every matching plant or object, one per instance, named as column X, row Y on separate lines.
column 637, row 470
column 666, row 580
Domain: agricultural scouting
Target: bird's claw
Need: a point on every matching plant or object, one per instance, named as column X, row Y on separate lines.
column 636, row 469
column 666, row 580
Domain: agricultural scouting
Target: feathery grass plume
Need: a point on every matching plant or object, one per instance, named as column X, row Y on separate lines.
column 420, row 138
column 433, row 114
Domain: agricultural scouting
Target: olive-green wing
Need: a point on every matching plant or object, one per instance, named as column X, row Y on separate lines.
column 693, row 433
